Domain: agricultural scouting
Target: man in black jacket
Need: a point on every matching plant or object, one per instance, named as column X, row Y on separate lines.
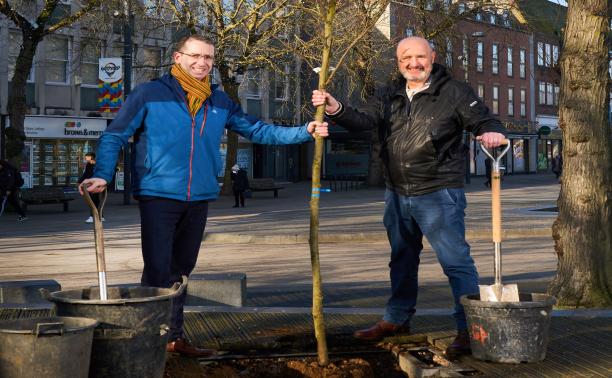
column 420, row 119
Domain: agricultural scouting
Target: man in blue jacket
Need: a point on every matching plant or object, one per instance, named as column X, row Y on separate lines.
column 177, row 123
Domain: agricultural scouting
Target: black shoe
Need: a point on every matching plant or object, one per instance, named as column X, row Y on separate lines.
column 460, row 346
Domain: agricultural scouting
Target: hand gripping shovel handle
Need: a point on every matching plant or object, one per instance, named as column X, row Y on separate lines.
column 99, row 238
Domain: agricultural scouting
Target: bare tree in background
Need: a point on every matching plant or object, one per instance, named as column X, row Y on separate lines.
column 34, row 23
column 583, row 229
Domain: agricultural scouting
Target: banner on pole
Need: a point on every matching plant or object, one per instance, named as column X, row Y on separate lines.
column 110, row 84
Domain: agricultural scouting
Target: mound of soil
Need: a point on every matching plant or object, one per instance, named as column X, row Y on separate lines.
column 382, row 365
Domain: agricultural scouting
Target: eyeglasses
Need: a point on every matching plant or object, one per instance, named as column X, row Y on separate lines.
column 198, row 56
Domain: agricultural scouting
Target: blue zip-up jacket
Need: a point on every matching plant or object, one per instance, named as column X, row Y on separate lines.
column 177, row 155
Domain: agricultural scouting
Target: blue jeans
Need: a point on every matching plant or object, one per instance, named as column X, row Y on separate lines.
column 440, row 217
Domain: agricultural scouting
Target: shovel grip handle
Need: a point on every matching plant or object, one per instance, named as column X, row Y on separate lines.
column 496, row 205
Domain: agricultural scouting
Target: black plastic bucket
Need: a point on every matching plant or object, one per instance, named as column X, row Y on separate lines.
column 58, row 347
column 131, row 339
column 509, row 332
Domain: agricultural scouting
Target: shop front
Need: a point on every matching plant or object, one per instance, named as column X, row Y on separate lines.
column 55, row 148
column 549, row 143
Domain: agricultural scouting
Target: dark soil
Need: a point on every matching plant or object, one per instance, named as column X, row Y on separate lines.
column 383, row 365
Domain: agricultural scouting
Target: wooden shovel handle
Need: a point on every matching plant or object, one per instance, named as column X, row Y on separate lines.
column 496, row 205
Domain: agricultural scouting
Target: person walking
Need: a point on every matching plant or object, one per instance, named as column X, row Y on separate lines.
column 177, row 122
column 240, row 183
column 420, row 119
column 90, row 164
column 10, row 185
column 557, row 166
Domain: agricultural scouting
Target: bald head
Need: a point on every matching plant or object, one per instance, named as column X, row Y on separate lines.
column 415, row 59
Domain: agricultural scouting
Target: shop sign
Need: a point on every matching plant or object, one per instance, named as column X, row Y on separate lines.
column 63, row 127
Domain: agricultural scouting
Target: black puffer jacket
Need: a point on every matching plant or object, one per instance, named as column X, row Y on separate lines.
column 421, row 139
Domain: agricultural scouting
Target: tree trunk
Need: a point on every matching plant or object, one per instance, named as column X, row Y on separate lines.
column 17, row 106
column 583, row 229
column 231, row 88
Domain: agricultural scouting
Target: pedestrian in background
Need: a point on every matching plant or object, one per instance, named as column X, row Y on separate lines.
column 90, row 165
column 557, row 165
column 420, row 120
column 10, row 184
column 488, row 171
column 240, row 183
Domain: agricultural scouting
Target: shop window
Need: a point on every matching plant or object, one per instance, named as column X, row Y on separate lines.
column 58, row 162
column 57, row 65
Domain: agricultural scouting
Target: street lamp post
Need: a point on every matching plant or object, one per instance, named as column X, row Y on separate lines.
column 128, row 26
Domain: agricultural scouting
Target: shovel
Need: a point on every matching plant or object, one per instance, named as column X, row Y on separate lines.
column 99, row 238
column 497, row 292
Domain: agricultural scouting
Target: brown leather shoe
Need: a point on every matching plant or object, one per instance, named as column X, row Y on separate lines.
column 380, row 330
column 460, row 346
column 185, row 348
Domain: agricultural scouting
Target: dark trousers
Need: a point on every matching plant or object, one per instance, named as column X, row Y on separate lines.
column 13, row 200
column 171, row 233
column 238, row 196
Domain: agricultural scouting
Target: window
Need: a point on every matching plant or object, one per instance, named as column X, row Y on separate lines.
column 447, row 5
column 523, row 103
column 466, row 57
column 481, row 91
column 540, row 54
column 13, row 53
column 478, row 16
column 549, row 94
column 409, row 31
column 449, row 53
column 510, row 102
column 151, row 66
column 492, row 18
column 506, row 19
column 494, row 58
column 495, row 99
column 522, row 53
column 542, row 93
column 479, row 56
column 429, row 5
column 510, row 68
column 90, row 54
column 461, row 8
column 253, row 82
column 281, row 85
column 556, row 101
column 547, row 55
column 555, row 55
column 58, row 64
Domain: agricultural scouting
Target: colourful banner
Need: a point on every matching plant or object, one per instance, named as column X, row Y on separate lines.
column 110, row 96
column 110, row 84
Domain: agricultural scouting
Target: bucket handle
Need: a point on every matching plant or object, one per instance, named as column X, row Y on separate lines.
column 49, row 329
column 179, row 287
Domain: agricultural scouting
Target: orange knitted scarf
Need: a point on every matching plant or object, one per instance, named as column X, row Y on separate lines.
column 197, row 90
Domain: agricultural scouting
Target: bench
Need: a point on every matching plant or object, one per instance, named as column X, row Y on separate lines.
column 264, row 185
column 48, row 194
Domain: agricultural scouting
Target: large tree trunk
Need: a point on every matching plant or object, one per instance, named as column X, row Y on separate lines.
column 17, row 106
column 583, row 229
